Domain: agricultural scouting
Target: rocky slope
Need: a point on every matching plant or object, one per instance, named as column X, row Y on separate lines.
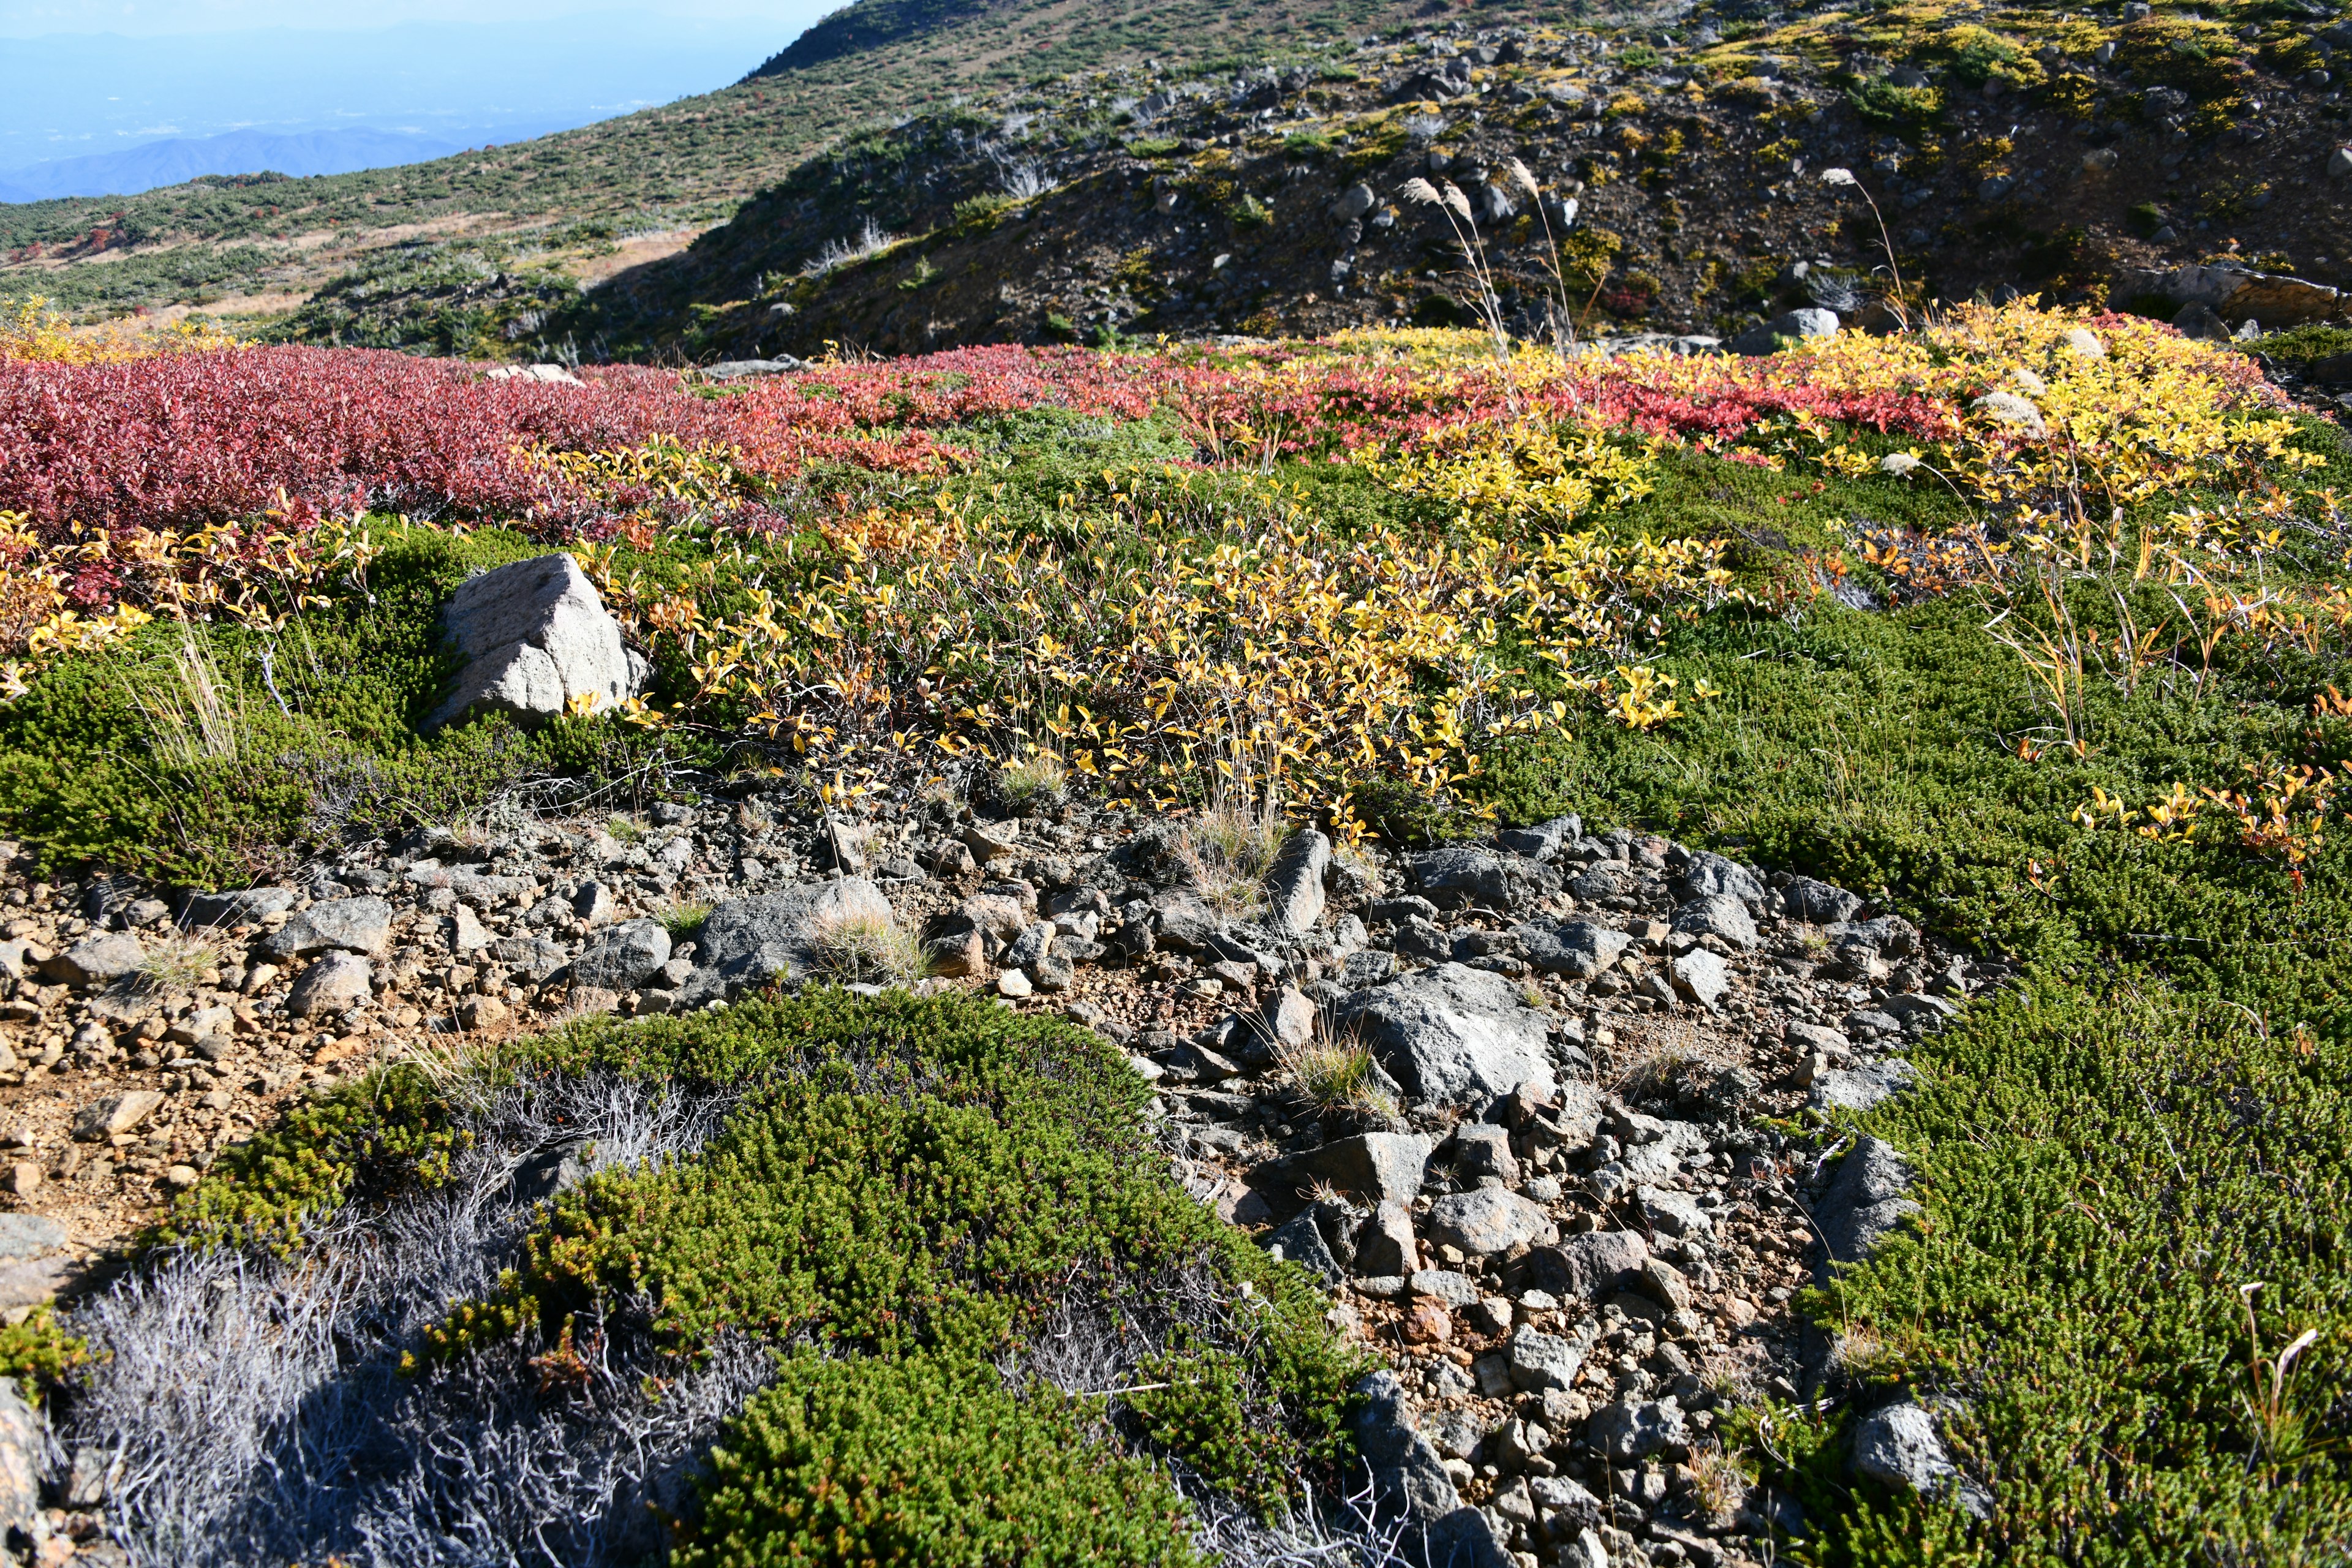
column 1679, row 168
column 1553, row 1196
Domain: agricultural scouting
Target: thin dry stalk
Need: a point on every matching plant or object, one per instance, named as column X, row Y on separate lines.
column 1455, row 206
column 193, row 714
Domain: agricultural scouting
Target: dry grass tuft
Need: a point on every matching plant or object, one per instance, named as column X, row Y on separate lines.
column 177, row 963
column 867, row 949
column 1042, row 775
column 1335, row 1075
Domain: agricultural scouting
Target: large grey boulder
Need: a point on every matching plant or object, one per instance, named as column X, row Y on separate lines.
column 1588, row 1267
column 1460, row 874
column 1301, row 1243
column 623, row 958
column 1575, row 949
column 1861, row 1088
column 1543, row 841
column 1819, row 903
column 1408, row 1477
column 1865, row 1202
column 353, row 925
column 775, row 936
column 1294, row 888
column 98, row 960
column 1627, row 1432
column 535, row 635
column 1707, row 874
column 1701, row 977
column 1720, row 915
column 1899, row 1446
column 244, row 907
column 337, row 982
column 1375, row 1167
column 1539, row 1360
column 1452, row 1034
column 24, row 1448
column 1487, row 1221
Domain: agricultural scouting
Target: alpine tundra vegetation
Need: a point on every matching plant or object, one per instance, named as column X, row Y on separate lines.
column 1584, row 899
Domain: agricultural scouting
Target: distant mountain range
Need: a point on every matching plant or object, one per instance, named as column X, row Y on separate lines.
column 178, row 159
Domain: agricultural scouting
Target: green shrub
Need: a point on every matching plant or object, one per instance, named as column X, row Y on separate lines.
column 389, row 1131
column 978, row 214
column 913, row 1461
column 321, row 718
column 38, row 1352
column 1909, row 110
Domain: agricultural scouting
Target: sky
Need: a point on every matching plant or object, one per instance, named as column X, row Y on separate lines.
column 101, row 76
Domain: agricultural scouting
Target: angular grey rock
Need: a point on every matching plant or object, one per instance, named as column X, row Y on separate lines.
column 1541, row 1360
column 1578, row 950
column 774, row 936
column 1294, row 888
column 1859, row 1088
column 1407, row 1473
column 1677, row 1214
column 1555, row 1495
column 1720, row 915
column 1355, row 202
column 1589, row 1267
column 1481, row 1152
column 24, row 1235
column 101, row 1120
column 1033, row 943
column 1866, row 1201
column 206, row 911
column 335, row 983
column 462, row 930
column 1375, row 1167
column 1302, row 1244
column 1708, row 874
column 1460, row 875
column 1288, row 1017
column 99, row 959
column 1818, row 903
column 1890, row 936
column 1453, row 1035
column 1626, row 1432
column 1899, row 1446
column 1775, row 334
column 1443, row 1286
column 1488, row 1221
column 1815, row 1038
column 1909, row 1006
column 1465, row 1538
column 1542, row 841
column 354, row 925
column 532, row 957
column 1182, row 921
column 1702, row 976
column 623, row 958
column 535, row 636
column 1386, row 1245
column 24, row 1452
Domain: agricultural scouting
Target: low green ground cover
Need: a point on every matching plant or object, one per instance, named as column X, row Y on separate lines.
column 2132, row 1168
column 903, row 1195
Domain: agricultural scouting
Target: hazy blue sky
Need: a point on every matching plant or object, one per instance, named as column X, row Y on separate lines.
column 28, row 18
column 99, row 76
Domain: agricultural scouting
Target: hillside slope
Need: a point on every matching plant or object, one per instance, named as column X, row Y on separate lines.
column 685, row 165
column 2037, row 150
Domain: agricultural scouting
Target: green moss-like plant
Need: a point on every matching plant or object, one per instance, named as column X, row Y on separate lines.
column 913, row 1461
